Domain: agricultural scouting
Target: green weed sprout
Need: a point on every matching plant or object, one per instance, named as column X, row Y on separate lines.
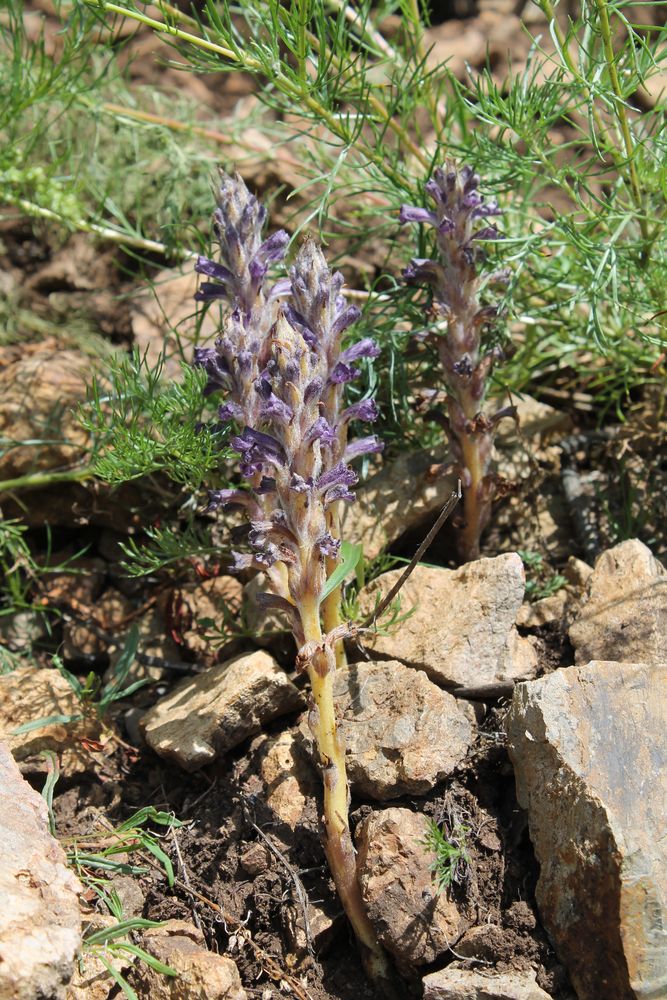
column 451, row 853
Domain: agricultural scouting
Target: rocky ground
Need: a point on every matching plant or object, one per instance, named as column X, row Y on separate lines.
column 530, row 729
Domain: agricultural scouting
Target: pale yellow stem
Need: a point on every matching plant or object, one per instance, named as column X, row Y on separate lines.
column 338, row 845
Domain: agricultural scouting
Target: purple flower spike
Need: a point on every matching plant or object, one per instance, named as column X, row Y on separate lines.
column 455, row 282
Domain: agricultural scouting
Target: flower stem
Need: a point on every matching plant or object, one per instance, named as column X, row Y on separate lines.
column 331, row 613
column 338, row 845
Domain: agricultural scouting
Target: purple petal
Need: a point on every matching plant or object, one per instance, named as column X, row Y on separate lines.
column 487, row 210
column 365, row 410
column 366, row 348
column 239, row 498
column 423, row 269
column 212, row 269
column 273, row 249
column 337, row 493
column 363, row 446
column 267, row 485
column 313, row 389
column 296, row 320
column 268, row 555
column 340, row 474
column 214, row 365
column 410, row 213
column 207, row 292
column 257, row 271
column 488, row 233
column 273, row 408
column 242, row 560
column 321, row 430
column 255, row 446
column 346, row 317
column 446, row 225
column 300, row 485
column 282, row 287
column 230, row 411
column 328, row 545
column 472, row 200
column 342, row 373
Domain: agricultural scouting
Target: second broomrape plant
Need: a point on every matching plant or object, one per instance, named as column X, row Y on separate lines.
column 283, row 368
column 457, row 322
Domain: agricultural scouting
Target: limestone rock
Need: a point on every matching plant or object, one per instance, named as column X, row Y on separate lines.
column 216, row 710
column 403, row 733
column 40, row 923
column 413, row 921
column 201, row 973
column 461, row 631
column 28, row 694
column 459, row 982
column 287, row 777
column 588, row 748
column 398, row 498
column 624, row 614
column 37, row 397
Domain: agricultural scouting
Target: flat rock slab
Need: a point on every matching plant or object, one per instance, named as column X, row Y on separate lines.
column 589, row 753
column 29, row 694
column 413, row 921
column 461, row 631
column 624, row 613
column 403, row 733
column 40, row 923
column 208, row 714
column 201, row 973
column 460, row 982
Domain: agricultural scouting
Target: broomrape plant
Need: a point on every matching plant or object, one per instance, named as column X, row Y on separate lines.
column 456, row 324
column 279, row 358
